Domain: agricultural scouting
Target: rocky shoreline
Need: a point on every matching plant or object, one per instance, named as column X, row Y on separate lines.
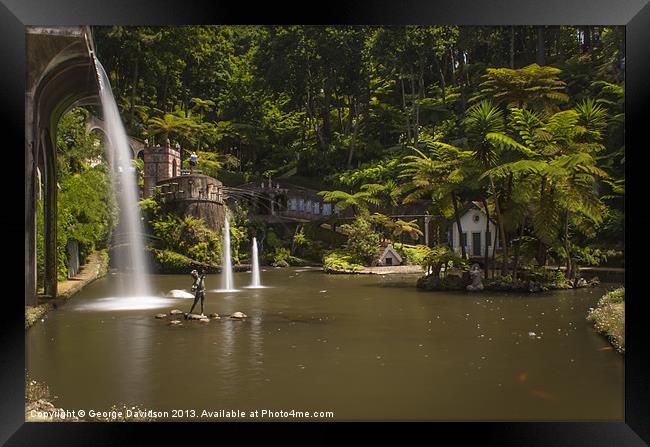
column 527, row 285
column 608, row 318
column 385, row 270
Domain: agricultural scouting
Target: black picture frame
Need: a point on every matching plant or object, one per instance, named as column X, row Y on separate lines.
column 16, row 14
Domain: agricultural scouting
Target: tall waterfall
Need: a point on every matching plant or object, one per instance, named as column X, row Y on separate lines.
column 126, row 192
column 255, row 281
column 227, row 284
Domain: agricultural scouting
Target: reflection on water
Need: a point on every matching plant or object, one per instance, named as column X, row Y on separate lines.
column 365, row 347
column 116, row 303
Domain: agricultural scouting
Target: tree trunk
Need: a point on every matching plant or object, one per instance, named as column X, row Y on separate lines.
column 486, row 255
column 541, row 247
column 566, row 246
column 517, row 247
column 134, row 89
column 463, row 82
column 541, row 46
column 452, row 63
column 326, row 113
column 353, row 142
column 512, row 47
column 421, row 95
column 494, row 252
column 406, row 113
column 458, row 224
column 502, row 232
column 415, row 109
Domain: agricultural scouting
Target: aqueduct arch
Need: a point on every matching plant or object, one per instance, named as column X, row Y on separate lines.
column 61, row 74
column 95, row 123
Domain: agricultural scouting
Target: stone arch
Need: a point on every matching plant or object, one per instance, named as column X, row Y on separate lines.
column 61, row 75
column 95, row 123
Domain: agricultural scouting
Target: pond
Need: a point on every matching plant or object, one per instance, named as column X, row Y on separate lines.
column 365, row 347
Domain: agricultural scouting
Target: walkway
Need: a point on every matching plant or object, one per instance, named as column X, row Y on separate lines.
column 90, row 271
column 94, row 268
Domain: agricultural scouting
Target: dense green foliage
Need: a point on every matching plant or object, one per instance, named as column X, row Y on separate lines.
column 179, row 240
column 337, row 261
column 363, row 244
column 440, row 257
column 527, row 120
column 414, row 254
column 87, row 212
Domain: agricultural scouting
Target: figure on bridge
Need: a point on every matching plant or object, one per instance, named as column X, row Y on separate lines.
column 193, row 160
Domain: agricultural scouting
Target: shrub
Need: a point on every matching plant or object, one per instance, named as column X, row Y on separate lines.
column 555, row 277
column 415, row 254
column 615, row 296
column 186, row 236
column 363, row 243
column 170, row 261
column 593, row 256
column 272, row 239
column 439, row 256
column 86, row 213
column 437, row 283
column 281, row 257
column 336, row 261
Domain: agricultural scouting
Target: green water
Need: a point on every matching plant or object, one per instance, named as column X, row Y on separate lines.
column 363, row 347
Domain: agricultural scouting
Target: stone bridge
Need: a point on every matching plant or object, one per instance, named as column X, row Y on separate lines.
column 95, row 123
column 278, row 202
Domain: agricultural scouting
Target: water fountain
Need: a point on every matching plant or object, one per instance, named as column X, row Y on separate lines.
column 255, row 280
column 125, row 188
column 227, row 284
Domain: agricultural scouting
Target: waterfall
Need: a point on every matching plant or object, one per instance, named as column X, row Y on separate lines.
column 227, row 284
column 255, row 282
column 126, row 192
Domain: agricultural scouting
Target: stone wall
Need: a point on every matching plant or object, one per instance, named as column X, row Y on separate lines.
column 160, row 163
column 196, row 195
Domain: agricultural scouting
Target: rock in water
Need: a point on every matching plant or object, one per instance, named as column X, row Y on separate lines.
column 176, row 312
column 177, row 293
column 215, row 316
column 196, row 317
column 204, row 320
column 160, row 316
column 175, row 322
column 238, row 315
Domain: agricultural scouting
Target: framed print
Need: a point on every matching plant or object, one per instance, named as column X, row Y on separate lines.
column 375, row 212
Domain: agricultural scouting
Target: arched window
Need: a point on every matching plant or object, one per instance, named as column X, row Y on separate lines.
column 174, row 168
